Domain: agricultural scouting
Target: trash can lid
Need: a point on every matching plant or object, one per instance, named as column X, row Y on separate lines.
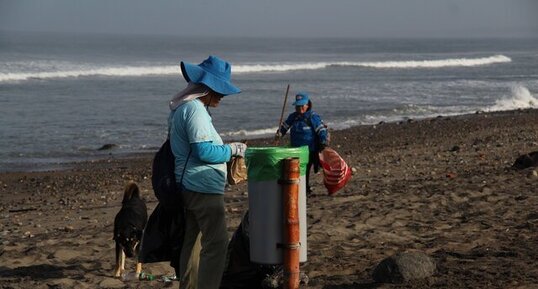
column 265, row 163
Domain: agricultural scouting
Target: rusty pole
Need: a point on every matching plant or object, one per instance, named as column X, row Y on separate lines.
column 290, row 196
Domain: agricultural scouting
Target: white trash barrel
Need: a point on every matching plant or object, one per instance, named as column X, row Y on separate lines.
column 266, row 213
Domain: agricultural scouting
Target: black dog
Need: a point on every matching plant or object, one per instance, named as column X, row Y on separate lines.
column 128, row 227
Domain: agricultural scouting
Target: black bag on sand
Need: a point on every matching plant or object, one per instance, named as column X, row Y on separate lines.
column 526, row 161
column 163, row 237
column 240, row 272
column 163, row 178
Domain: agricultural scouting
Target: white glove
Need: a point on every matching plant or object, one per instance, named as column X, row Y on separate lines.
column 238, row 149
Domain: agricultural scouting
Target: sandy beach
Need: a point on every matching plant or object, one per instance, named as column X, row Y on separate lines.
column 443, row 186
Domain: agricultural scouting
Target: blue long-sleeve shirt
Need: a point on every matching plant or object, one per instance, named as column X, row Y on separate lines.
column 211, row 153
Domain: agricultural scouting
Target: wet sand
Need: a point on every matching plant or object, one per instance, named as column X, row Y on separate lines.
column 443, row 186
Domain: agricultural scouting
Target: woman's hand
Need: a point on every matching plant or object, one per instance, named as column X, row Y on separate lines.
column 278, row 135
column 238, row 149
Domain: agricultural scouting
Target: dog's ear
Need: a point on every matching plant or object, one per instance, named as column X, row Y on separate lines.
column 131, row 190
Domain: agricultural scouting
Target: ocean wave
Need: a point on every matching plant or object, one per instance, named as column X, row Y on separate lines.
column 277, row 67
column 105, row 71
column 137, row 71
column 249, row 134
column 451, row 62
column 454, row 62
column 520, row 97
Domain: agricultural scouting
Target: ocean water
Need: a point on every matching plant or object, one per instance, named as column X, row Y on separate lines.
column 62, row 97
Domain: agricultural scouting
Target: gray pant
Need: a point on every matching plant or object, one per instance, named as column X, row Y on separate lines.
column 205, row 214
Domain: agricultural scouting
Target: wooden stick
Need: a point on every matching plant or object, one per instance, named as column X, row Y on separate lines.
column 277, row 138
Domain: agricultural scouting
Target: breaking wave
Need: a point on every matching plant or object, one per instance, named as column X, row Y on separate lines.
column 105, row 71
column 137, row 71
column 451, row 62
column 456, row 62
column 520, row 97
column 249, row 134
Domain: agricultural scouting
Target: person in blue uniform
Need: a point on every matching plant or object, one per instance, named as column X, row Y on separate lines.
column 306, row 129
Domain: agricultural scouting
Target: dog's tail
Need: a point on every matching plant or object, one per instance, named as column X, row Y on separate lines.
column 131, row 190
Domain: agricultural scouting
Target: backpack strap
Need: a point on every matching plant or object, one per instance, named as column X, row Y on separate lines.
column 188, row 156
column 185, row 166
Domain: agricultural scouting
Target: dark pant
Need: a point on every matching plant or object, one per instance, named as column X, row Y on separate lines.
column 205, row 214
column 313, row 161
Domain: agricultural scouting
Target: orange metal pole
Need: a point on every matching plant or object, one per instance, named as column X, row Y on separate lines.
column 290, row 194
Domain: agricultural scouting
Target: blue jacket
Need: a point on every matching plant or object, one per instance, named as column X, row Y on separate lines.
column 304, row 129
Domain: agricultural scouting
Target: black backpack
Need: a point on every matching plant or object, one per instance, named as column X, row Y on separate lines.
column 163, row 235
column 163, row 178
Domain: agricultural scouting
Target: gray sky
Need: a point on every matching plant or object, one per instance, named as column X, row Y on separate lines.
column 288, row 18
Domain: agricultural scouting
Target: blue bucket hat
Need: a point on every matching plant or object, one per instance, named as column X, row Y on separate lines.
column 214, row 72
column 301, row 98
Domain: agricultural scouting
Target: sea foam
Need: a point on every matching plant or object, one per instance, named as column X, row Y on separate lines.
column 520, row 97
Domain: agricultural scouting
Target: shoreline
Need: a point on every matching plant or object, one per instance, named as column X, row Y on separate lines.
column 443, row 186
column 28, row 167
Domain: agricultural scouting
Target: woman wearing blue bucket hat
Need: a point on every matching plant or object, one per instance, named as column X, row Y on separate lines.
column 306, row 129
column 200, row 165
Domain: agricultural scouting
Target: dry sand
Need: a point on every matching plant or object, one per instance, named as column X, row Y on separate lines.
column 443, row 186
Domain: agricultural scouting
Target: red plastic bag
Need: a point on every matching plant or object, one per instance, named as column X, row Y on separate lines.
column 336, row 173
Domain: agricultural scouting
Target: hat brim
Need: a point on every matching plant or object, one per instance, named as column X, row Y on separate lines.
column 300, row 102
column 195, row 74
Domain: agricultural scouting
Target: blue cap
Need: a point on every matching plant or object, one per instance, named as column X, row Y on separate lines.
column 301, row 98
column 214, row 72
